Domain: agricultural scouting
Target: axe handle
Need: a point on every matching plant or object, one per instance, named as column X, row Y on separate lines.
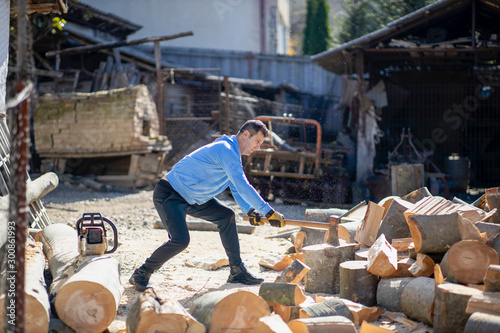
column 299, row 223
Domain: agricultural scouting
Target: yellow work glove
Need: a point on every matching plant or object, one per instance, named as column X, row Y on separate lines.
column 276, row 219
column 254, row 217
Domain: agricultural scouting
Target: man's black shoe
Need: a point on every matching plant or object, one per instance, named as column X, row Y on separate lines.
column 140, row 279
column 239, row 274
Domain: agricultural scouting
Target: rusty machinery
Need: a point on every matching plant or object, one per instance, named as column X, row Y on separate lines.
column 294, row 164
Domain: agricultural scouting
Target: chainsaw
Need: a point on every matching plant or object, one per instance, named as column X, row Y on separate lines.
column 92, row 238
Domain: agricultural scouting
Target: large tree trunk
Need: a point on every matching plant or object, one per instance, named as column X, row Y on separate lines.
column 450, row 304
column 417, row 300
column 84, row 300
column 394, row 223
column 434, row 233
column 222, row 311
column 357, row 284
column 37, row 307
column 152, row 313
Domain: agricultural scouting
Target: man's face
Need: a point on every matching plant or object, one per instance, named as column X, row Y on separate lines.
column 249, row 144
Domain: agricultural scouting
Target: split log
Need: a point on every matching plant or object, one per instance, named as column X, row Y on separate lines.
column 493, row 201
column 389, row 293
column 324, row 261
column 36, row 299
column 347, row 230
column 438, row 275
column 277, row 262
column 403, row 268
column 287, row 312
column 487, row 302
column 402, row 244
column 434, row 233
column 417, row 195
column 222, row 311
column 362, row 313
column 361, row 254
column 491, row 230
column 331, row 323
column 417, row 299
column 423, row 266
column 294, row 273
column 357, row 284
column 482, row 323
column 329, row 307
column 84, row 300
column 468, row 230
column 394, row 224
column 382, row 258
column 151, row 312
column 450, row 304
column 271, row 324
column 492, row 278
column 468, row 260
column 298, row 241
column 371, row 328
column 282, row 293
column 367, row 233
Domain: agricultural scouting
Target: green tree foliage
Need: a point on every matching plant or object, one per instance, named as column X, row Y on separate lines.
column 365, row 16
column 317, row 31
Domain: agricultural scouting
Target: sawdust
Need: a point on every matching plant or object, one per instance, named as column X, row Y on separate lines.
column 134, row 216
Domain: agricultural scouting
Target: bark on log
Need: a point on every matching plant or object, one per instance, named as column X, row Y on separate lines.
column 445, row 269
column 389, row 293
column 405, row 178
column 423, row 266
column 487, row 302
column 434, row 233
column 37, row 307
column 331, row 323
column 394, row 224
column 329, row 307
column 222, row 311
column 450, row 304
column 417, row 299
column 347, row 230
column 313, row 236
column 468, row 260
column 294, row 273
column 272, row 324
column 468, row 230
column 324, row 261
column 153, row 313
column 492, row 278
column 382, row 258
column 282, row 293
column 367, row 233
column 482, row 323
column 357, row 284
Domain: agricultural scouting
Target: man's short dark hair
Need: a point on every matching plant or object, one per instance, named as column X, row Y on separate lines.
column 254, row 126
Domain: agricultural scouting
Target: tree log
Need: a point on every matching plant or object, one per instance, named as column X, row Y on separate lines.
column 434, row 233
column 493, row 201
column 491, row 230
column 324, row 261
column 367, row 233
column 492, row 278
column 389, row 293
column 357, row 284
column 282, row 293
column 329, row 307
column 417, row 299
column 294, row 273
column 347, row 230
column 487, row 302
column 417, row 195
column 403, row 268
column 152, row 313
column 277, row 262
column 37, row 307
column 271, row 324
column 468, row 230
column 405, row 178
column 313, row 236
column 382, row 258
column 468, row 260
column 423, row 266
column 394, row 224
column 337, row 324
column 223, row 311
column 287, row 312
column 482, row 323
column 402, row 244
column 450, row 304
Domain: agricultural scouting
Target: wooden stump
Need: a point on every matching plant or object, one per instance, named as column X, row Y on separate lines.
column 329, row 307
column 450, row 304
column 222, row 311
column 417, row 299
column 406, row 178
column 271, row 324
column 394, row 224
column 468, row 260
column 482, row 323
column 434, row 233
column 389, row 293
column 357, row 284
column 37, row 307
column 382, row 258
column 324, row 261
column 337, row 324
column 294, row 273
column 282, row 293
column 153, row 313
column 313, row 236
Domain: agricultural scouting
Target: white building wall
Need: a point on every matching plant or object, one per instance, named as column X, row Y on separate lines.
column 216, row 24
